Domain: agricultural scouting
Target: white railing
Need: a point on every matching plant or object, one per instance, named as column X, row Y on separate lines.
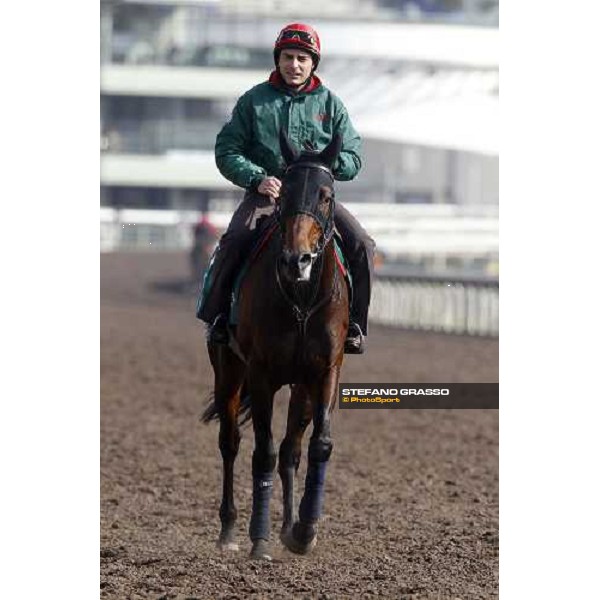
column 398, row 229
column 131, row 229
column 451, row 305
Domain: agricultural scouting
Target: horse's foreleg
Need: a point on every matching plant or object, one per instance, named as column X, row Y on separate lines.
column 299, row 416
column 263, row 465
column 304, row 533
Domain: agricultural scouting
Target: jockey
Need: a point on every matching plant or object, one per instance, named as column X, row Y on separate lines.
column 247, row 154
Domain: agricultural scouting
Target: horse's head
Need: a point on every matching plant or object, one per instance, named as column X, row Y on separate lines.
column 306, row 206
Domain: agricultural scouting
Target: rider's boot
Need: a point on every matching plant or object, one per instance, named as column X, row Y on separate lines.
column 355, row 340
column 359, row 311
column 215, row 300
column 359, row 250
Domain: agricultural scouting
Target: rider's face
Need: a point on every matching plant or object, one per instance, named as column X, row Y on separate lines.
column 295, row 67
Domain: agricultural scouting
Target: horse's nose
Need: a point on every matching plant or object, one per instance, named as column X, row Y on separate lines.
column 298, row 266
column 304, row 266
column 304, row 260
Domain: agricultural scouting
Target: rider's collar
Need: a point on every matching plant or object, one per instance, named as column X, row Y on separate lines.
column 276, row 80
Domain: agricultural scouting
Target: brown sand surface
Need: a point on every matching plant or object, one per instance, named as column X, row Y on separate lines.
column 411, row 507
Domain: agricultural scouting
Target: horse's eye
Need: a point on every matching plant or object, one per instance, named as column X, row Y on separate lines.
column 324, row 205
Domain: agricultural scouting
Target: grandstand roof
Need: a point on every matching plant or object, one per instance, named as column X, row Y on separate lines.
column 441, row 44
column 448, row 108
column 467, row 126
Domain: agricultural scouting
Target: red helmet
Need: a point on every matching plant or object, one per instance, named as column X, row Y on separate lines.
column 301, row 37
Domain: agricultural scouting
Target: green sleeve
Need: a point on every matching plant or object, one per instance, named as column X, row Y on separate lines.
column 349, row 161
column 232, row 145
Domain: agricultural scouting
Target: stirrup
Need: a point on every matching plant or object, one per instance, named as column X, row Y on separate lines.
column 355, row 340
column 218, row 333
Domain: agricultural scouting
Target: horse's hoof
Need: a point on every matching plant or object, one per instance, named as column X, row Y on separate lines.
column 285, row 532
column 228, row 546
column 295, row 545
column 260, row 550
column 227, row 541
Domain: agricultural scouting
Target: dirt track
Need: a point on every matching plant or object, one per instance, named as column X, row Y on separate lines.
column 411, row 509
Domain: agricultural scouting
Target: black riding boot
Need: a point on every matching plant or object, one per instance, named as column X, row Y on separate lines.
column 215, row 301
column 359, row 250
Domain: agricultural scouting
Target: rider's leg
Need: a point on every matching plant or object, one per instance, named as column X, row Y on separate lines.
column 359, row 250
column 233, row 246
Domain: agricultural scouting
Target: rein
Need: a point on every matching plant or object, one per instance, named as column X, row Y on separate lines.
column 303, row 314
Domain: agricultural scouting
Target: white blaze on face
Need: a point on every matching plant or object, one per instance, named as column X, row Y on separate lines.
column 304, row 271
column 302, row 238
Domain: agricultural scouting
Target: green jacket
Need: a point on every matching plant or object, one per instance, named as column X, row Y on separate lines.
column 247, row 148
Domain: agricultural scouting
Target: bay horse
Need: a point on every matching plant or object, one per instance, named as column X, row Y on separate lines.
column 292, row 323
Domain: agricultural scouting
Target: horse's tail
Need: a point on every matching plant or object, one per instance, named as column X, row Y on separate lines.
column 244, row 413
column 211, row 412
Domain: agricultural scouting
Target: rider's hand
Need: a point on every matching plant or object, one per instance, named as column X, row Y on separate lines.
column 270, row 186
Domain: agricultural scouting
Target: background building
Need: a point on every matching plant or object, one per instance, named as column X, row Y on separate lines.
column 419, row 79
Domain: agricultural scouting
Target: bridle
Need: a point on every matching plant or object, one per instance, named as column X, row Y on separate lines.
column 326, row 224
column 303, row 313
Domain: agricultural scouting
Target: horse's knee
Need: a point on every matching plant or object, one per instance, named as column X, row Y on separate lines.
column 319, row 449
column 289, row 455
column 264, row 460
column 285, row 454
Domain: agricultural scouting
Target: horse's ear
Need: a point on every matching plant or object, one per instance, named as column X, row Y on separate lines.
column 287, row 151
column 331, row 152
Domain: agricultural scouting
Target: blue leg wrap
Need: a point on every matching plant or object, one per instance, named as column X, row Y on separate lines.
column 314, row 493
column 261, row 496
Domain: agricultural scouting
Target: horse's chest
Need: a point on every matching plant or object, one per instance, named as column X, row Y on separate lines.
column 297, row 358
